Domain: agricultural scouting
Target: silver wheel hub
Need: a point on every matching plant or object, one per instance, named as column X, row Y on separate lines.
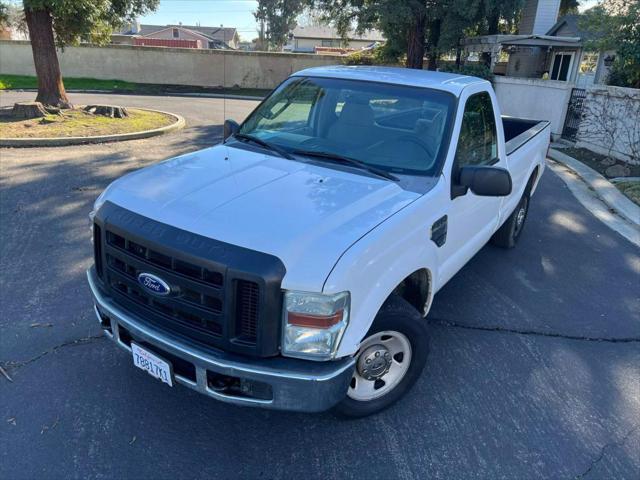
column 381, row 363
column 374, row 362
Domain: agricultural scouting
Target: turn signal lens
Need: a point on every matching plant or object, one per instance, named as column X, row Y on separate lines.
column 314, row 321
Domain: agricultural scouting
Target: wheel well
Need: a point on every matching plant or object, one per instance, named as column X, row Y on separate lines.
column 532, row 179
column 416, row 289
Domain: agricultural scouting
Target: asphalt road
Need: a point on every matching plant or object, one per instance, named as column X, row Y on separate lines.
column 534, row 370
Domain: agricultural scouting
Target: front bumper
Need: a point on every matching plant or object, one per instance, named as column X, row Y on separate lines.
column 277, row 382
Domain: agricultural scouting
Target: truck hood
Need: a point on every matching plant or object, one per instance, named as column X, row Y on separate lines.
column 306, row 215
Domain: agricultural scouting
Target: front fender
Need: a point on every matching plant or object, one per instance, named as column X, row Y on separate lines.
column 375, row 265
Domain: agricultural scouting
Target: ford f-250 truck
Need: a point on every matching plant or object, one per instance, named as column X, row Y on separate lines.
column 293, row 265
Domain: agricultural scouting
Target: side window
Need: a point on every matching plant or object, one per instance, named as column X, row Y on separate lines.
column 478, row 141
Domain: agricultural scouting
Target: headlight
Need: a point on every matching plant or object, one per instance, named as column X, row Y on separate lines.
column 92, row 215
column 313, row 324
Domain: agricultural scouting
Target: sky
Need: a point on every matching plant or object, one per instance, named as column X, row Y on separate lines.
column 232, row 13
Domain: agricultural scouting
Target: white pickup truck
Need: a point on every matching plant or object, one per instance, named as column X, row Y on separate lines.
column 293, row 265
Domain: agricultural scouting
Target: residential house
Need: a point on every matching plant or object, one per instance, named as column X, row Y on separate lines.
column 218, row 38
column 316, row 39
column 545, row 47
column 559, row 54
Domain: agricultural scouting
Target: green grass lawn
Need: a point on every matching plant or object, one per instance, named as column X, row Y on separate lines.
column 17, row 82
column 631, row 189
column 10, row 82
column 78, row 123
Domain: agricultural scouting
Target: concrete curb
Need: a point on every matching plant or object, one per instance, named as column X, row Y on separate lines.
column 594, row 204
column 609, row 194
column 624, row 179
column 155, row 94
column 121, row 137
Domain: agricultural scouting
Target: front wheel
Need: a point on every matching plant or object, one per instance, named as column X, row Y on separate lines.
column 389, row 361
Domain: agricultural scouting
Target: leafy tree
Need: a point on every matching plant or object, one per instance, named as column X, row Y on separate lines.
column 403, row 23
column 279, row 17
column 4, row 15
column 418, row 28
column 615, row 25
column 58, row 23
column 568, row 7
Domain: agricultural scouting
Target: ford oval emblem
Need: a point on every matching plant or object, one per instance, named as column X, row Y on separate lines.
column 154, row 284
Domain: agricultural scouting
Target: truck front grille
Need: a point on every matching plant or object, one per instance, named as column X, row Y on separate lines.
column 210, row 301
column 247, row 295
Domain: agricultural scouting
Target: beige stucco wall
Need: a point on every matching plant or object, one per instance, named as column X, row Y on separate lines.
column 534, row 99
column 171, row 66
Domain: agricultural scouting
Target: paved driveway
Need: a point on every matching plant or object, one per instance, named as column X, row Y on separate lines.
column 534, row 370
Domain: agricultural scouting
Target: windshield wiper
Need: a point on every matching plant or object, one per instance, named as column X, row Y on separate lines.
column 269, row 146
column 348, row 161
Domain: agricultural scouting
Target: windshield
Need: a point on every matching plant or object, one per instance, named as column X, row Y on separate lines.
column 399, row 129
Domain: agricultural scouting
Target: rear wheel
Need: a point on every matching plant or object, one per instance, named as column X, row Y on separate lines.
column 389, row 361
column 508, row 234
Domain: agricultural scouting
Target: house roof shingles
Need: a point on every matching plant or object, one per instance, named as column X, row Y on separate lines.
column 222, row 34
column 573, row 25
column 332, row 33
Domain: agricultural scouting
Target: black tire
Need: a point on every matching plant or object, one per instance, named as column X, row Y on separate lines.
column 399, row 316
column 508, row 234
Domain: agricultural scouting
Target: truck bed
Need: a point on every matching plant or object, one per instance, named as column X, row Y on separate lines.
column 518, row 131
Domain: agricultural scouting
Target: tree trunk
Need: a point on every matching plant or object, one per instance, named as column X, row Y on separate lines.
column 494, row 24
column 27, row 110
column 415, row 43
column 45, row 58
column 432, row 43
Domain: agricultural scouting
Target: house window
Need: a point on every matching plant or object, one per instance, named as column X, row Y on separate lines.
column 331, row 43
column 589, row 62
column 176, row 33
column 561, row 66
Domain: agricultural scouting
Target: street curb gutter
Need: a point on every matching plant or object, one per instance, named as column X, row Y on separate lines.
column 66, row 141
column 609, row 194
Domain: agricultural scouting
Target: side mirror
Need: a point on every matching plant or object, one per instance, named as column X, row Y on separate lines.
column 230, row 127
column 483, row 181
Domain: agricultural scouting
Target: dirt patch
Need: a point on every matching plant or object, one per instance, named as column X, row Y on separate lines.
column 78, row 123
column 608, row 167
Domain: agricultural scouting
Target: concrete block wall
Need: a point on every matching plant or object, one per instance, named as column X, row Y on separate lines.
column 610, row 122
column 169, row 66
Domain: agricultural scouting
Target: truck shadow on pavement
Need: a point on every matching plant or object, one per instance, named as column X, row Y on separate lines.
column 489, row 404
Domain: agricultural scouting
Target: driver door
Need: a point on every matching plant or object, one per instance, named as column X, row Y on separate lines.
column 471, row 219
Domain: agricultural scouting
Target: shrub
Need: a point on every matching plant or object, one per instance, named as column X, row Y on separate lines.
column 474, row 70
column 379, row 55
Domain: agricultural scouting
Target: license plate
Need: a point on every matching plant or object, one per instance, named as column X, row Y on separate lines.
column 152, row 364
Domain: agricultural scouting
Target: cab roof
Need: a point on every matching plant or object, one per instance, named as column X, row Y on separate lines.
column 449, row 82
